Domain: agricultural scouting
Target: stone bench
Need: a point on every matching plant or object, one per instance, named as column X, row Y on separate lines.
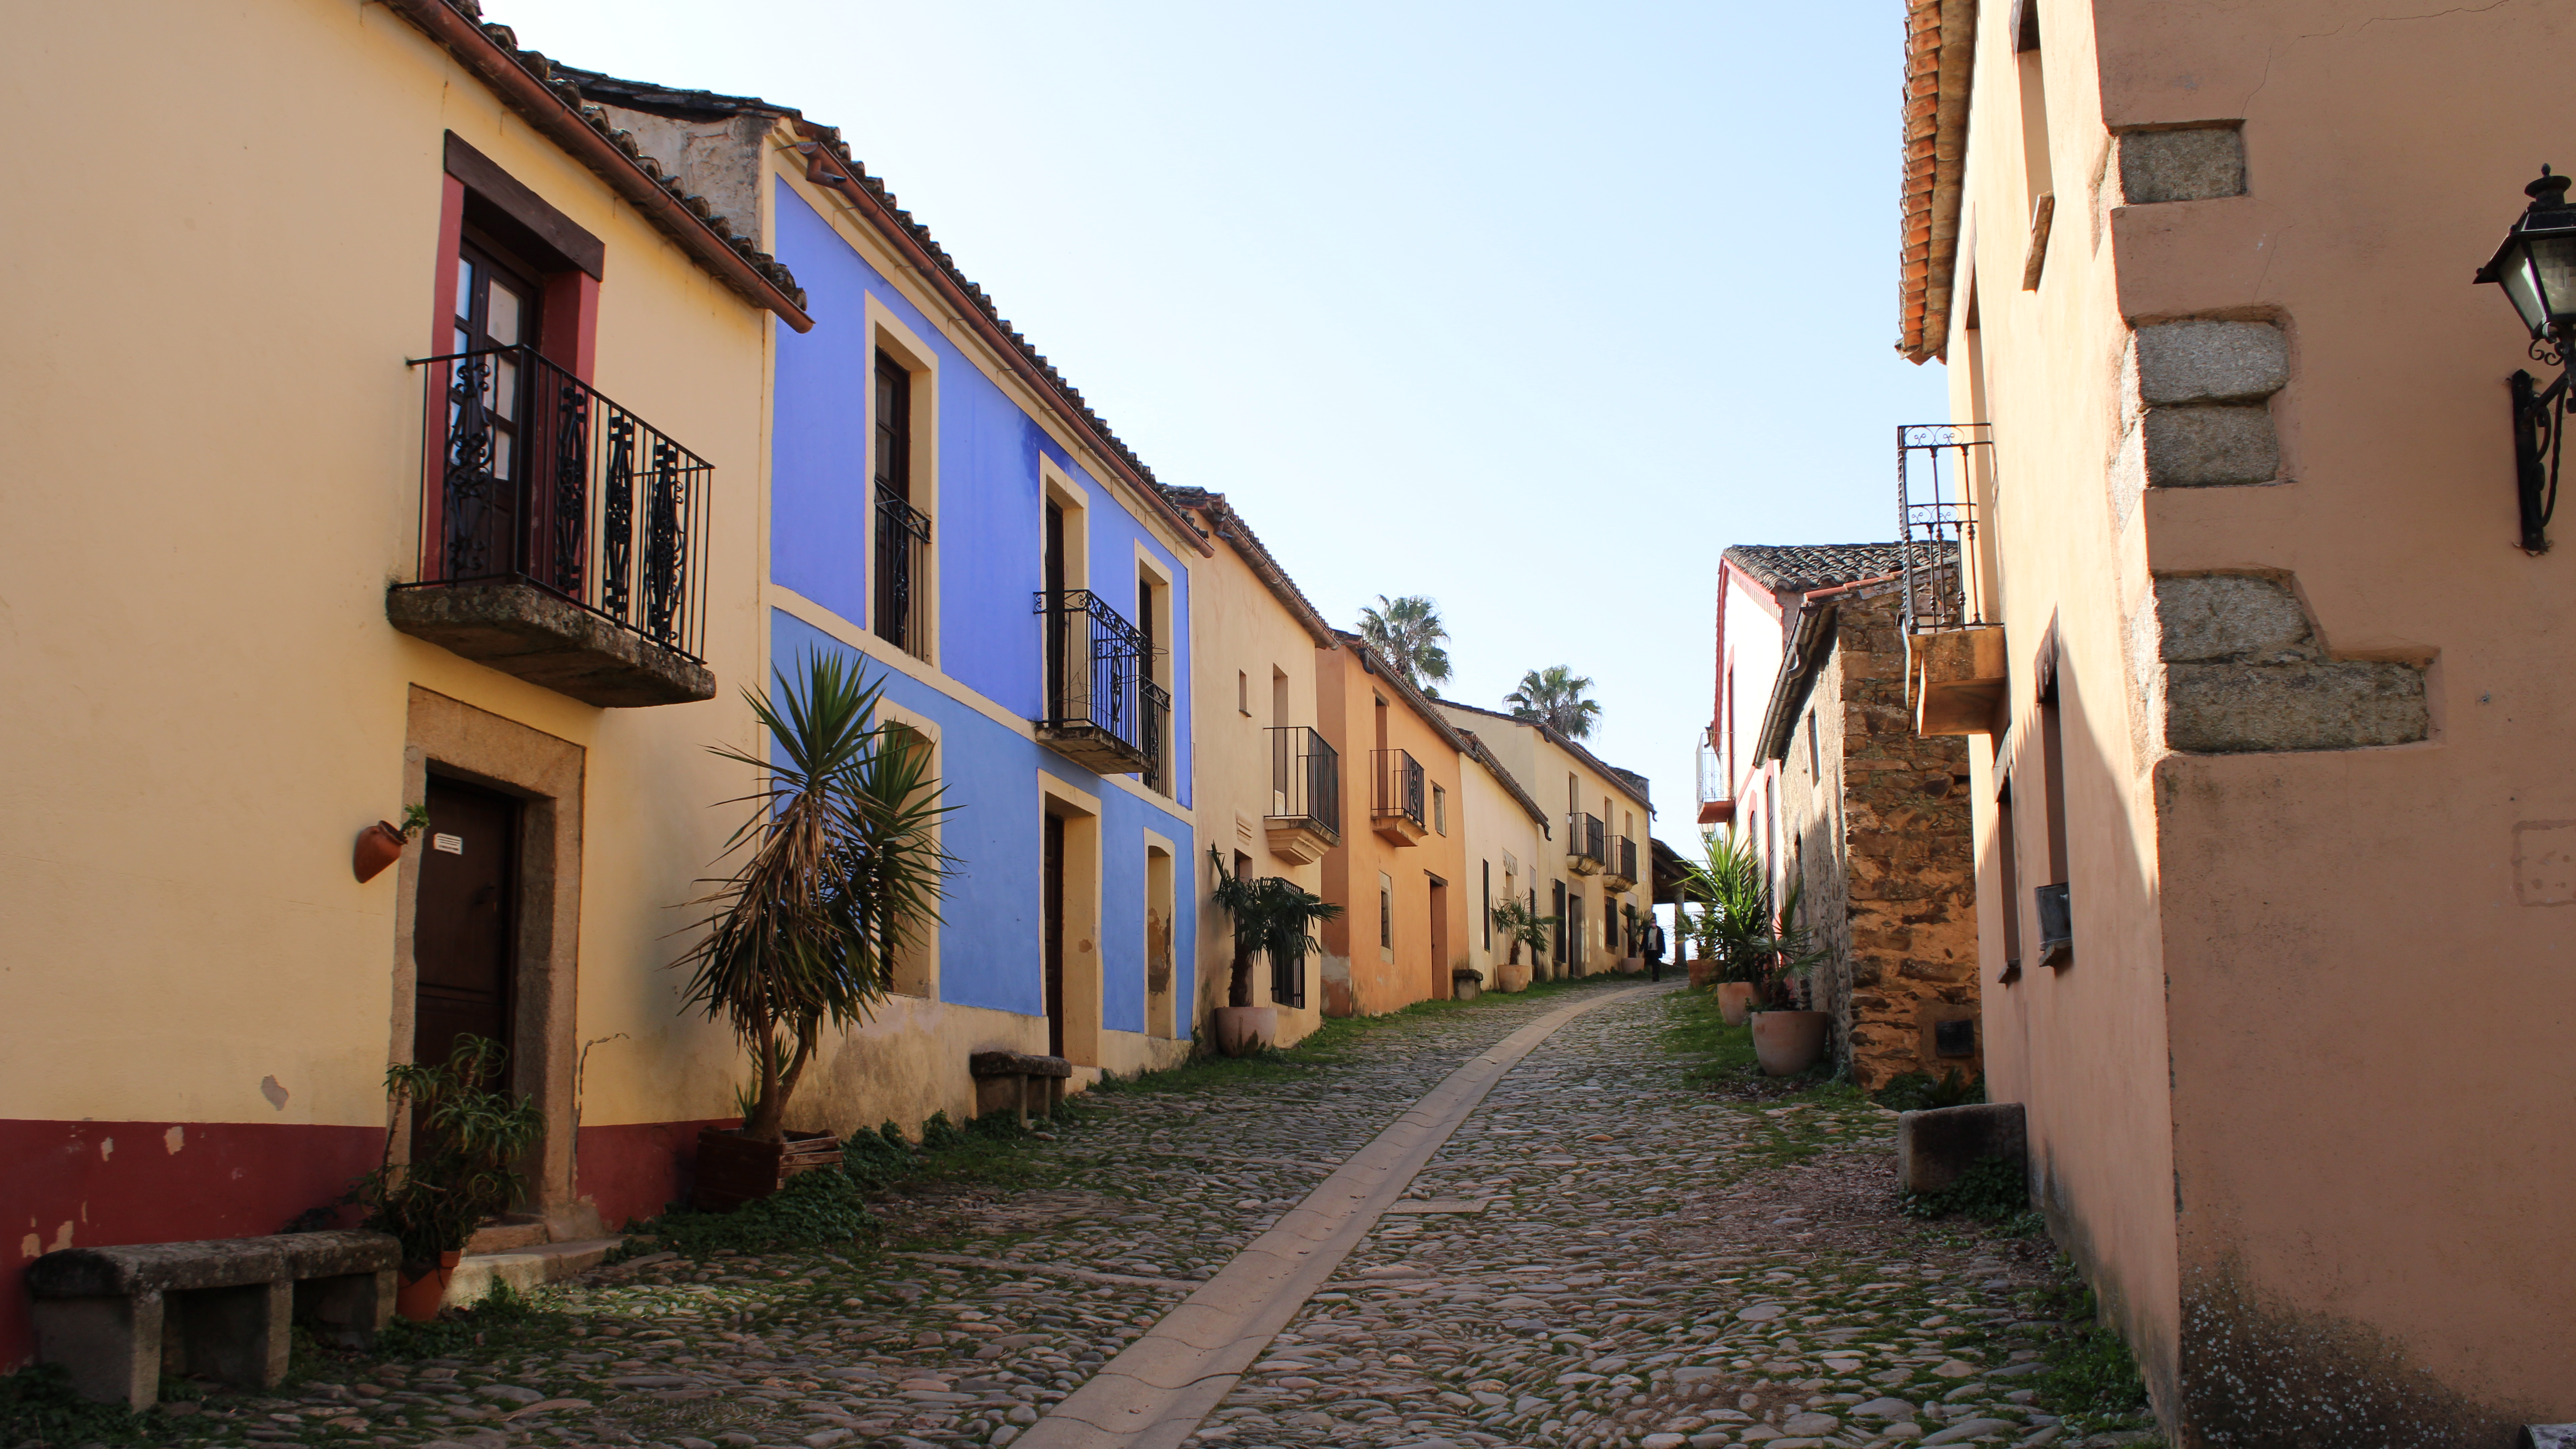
column 117, row 1318
column 1006, row 1080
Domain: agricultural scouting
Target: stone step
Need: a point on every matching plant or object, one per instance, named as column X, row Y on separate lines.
column 524, row 1268
column 507, row 1234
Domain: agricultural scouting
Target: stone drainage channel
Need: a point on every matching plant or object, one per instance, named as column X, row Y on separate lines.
column 1512, row 1224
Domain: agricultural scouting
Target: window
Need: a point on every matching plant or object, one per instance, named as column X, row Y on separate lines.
column 1279, row 697
column 1489, row 905
column 903, row 530
column 2056, row 923
column 1556, row 898
column 2037, row 183
column 1159, row 958
column 1815, row 758
column 2008, row 875
column 1439, row 810
column 1243, row 694
column 1153, row 694
column 1386, row 916
column 1610, row 923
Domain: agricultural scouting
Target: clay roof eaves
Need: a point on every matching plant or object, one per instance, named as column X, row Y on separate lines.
column 1803, row 568
column 1229, row 525
column 525, row 81
column 1625, row 780
column 1940, row 55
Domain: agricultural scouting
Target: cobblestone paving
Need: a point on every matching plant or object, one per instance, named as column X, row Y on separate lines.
column 1602, row 1254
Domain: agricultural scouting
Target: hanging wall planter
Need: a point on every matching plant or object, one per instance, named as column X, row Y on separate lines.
column 381, row 844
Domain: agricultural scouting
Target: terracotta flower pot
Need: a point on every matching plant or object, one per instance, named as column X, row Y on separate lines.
column 1512, row 976
column 379, row 845
column 419, row 1299
column 1788, row 1042
column 1241, row 1028
column 1734, row 1000
column 733, row 1170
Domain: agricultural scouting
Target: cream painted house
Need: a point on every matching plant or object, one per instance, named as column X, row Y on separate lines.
column 1595, row 867
column 1269, row 782
column 1509, row 837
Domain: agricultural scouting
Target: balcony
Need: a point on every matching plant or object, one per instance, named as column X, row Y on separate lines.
column 1305, row 817
column 1618, row 862
column 562, row 538
column 903, row 575
column 1101, row 712
column 1395, row 796
column 1716, row 805
column 1586, row 849
column 1956, row 679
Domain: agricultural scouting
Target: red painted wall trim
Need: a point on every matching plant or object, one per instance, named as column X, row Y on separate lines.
column 568, row 325
column 95, row 1184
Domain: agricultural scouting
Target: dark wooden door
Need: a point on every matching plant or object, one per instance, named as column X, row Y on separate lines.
column 464, row 932
column 1052, row 892
column 496, row 308
column 1058, row 631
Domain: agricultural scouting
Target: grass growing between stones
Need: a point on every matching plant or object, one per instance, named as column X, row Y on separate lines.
column 2091, row 1380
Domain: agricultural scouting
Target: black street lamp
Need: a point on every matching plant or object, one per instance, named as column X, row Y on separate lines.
column 2536, row 266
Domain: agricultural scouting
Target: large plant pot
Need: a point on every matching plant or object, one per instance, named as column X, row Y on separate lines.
column 379, row 845
column 1734, row 1001
column 1240, row 1029
column 1512, row 976
column 1788, row 1042
column 419, row 1299
column 733, row 1170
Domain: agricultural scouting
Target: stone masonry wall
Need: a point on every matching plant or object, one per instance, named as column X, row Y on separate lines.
column 1883, row 844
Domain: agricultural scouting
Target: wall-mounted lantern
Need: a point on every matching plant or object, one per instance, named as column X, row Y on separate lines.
column 2536, row 266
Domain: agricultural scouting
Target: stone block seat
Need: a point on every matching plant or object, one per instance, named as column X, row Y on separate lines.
column 1005, row 1080
column 117, row 1318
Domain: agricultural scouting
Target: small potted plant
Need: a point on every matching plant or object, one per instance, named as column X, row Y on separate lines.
column 381, row 844
column 1524, row 928
column 841, row 873
column 1275, row 917
column 466, row 1139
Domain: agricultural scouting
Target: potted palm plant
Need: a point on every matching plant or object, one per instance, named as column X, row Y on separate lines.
column 466, row 1141
column 1274, row 917
column 1525, row 929
column 840, row 873
column 1787, row 1039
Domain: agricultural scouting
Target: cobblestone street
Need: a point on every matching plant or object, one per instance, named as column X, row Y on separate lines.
column 1605, row 1251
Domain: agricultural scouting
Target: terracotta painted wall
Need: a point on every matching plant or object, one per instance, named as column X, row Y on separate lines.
column 2287, row 1161
column 1374, row 979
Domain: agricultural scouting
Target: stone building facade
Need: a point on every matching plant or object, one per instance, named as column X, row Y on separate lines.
column 1875, row 823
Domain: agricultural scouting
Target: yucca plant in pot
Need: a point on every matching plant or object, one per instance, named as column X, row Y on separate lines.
column 840, row 872
column 466, row 1142
column 1274, row 917
column 1525, row 929
column 1786, row 1038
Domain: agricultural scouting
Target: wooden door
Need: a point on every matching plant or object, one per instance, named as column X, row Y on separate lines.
column 465, row 928
column 1052, row 894
column 1440, row 982
column 496, row 310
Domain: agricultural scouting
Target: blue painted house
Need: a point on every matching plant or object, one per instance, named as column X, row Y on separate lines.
column 943, row 506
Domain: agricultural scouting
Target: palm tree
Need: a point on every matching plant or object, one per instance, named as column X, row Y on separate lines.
column 841, row 874
column 1408, row 632
column 1554, row 697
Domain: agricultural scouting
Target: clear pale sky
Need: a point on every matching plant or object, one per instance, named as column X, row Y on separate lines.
column 1532, row 309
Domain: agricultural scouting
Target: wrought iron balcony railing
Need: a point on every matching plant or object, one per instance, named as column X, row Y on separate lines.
column 1584, row 845
column 903, row 575
column 1396, row 790
column 1619, row 859
column 1100, row 711
column 1305, row 780
column 533, row 480
column 1937, row 466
